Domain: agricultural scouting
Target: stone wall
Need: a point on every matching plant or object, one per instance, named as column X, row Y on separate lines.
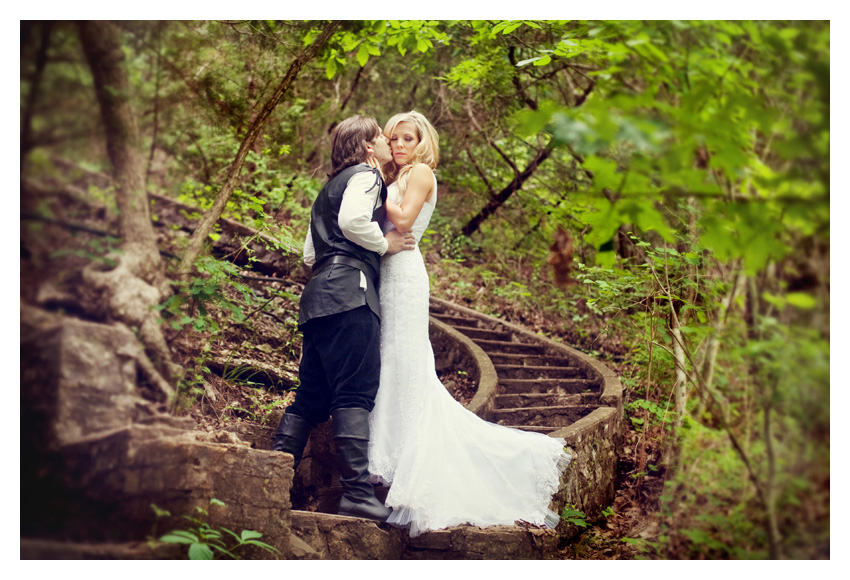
column 95, row 455
column 588, row 484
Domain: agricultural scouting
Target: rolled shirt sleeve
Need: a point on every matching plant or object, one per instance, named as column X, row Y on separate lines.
column 309, row 253
column 355, row 214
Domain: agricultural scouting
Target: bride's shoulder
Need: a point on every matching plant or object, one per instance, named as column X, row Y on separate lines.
column 421, row 171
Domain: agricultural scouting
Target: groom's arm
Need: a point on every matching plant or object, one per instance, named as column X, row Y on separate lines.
column 355, row 212
column 351, row 213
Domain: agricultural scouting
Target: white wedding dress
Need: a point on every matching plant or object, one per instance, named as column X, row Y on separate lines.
column 446, row 465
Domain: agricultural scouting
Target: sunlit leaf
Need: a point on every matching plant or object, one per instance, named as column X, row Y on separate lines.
column 801, row 300
column 200, row 552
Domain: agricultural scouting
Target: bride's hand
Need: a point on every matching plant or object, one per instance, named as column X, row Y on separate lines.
column 373, row 162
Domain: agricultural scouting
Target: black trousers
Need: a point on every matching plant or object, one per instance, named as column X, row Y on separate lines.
column 340, row 364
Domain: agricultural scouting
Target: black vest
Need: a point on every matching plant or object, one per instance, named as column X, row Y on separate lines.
column 335, row 288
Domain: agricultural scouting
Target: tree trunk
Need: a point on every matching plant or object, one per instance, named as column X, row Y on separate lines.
column 127, row 292
column 123, row 143
column 497, row 200
column 707, row 364
column 32, row 95
column 196, row 242
column 770, row 485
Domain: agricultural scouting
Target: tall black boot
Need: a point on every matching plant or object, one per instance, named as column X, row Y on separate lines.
column 351, row 438
column 292, row 435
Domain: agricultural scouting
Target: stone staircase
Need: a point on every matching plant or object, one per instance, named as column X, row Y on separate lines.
column 539, row 390
column 104, row 469
column 525, row 382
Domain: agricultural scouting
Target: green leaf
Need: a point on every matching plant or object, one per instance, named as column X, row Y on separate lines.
column 528, row 61
column 605, row 259
column 212, row 534
column 788, row 33
column 604, row 172
column 250, row 535
column 801, row 300
column 511, row 27
column 215, row 501
column 179, row 537
column 200, row 552
column 330, row 68
column 543, row 60
column 159, row 511
column 362, row 55
column 777, row 301
column 232, row 533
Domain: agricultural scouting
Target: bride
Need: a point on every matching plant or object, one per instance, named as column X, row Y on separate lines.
column 445, row 465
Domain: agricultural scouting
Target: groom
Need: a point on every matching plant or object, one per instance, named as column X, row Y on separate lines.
column 339, row 313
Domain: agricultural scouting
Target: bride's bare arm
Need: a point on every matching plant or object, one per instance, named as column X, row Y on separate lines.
column 419, row 188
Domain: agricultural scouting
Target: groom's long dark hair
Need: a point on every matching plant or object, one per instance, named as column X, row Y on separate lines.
column 348, row 142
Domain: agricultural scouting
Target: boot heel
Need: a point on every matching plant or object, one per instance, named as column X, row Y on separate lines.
column 351, row 438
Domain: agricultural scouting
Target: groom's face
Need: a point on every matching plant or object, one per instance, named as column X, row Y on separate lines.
column 380, row 149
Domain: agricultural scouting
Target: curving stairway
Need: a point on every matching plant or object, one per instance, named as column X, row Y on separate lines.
column 539, row 390
column 524, row 381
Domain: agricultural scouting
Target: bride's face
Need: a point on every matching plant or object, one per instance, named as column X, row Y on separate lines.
column 403, row 141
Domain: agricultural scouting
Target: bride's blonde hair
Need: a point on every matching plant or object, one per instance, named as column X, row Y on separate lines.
column 427, row 151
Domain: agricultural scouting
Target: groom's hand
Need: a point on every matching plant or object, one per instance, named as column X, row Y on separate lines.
column 399, row 242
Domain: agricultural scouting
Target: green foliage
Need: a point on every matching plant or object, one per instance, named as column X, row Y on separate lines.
column 374, row 37
column 575, row 517
column 189, row 305
column 654, row 414
column 643, row 146
column 204, row 540
column 261, row 406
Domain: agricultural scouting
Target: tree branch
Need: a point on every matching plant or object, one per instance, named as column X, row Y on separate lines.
column 518, row 83
column 205, row 226
column 496, row 201
column 479, row 170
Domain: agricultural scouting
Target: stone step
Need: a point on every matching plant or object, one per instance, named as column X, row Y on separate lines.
column 41, row 549
column 560, row 416
column 539, row 372
column 455, row 320
column 333, row 537
column 483, row 333
column 567, row 386
column 518, row 400
column 499, row 346
column 533, row 428
column 530, row 360
column 490, row 543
